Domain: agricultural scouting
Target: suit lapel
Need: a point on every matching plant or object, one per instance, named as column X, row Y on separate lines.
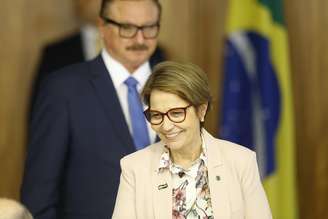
column 107, row 95
column 218, row 178
column 78, row 46
column 161, row 187
column 218, row 182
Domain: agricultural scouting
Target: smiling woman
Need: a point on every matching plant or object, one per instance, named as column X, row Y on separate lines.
column 189, row 173
column 182, row 92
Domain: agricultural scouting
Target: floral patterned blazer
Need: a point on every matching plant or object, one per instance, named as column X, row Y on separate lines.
column 236, row 189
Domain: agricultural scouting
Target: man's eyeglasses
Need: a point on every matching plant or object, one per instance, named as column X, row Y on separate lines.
column 176, row 115
column 130, row 30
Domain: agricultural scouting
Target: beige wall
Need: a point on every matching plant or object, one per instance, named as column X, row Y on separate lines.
column 192, row 30
column 307, row 24
column 26, row 25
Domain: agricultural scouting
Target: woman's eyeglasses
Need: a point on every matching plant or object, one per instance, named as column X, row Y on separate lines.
column 176, row 115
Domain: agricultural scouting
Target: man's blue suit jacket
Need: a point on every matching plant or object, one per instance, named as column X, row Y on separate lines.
column 78, row 136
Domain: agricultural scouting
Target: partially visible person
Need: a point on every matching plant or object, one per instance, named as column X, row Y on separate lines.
column 189, row 173
column 10, row 209
column 89, row 115
column 82, row 45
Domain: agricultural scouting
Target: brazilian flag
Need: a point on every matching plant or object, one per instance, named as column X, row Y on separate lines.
column 257, row 104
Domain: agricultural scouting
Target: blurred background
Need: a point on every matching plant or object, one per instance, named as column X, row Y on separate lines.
column 191, row 30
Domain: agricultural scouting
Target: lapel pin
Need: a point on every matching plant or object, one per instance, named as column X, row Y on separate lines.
column 218, row 178
column 163, row 186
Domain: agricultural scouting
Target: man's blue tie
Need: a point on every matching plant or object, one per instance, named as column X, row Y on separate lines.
column 138, row 121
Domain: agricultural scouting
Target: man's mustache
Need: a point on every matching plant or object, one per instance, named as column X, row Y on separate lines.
column 137, row 47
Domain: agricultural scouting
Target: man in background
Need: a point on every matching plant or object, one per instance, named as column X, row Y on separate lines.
column 84, row 44
column 87, row 116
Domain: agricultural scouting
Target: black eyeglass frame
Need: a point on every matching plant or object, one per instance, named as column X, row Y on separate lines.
column 147, row 114
column 122, row 25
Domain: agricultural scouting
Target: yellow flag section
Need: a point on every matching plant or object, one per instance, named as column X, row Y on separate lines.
column 265, row 18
